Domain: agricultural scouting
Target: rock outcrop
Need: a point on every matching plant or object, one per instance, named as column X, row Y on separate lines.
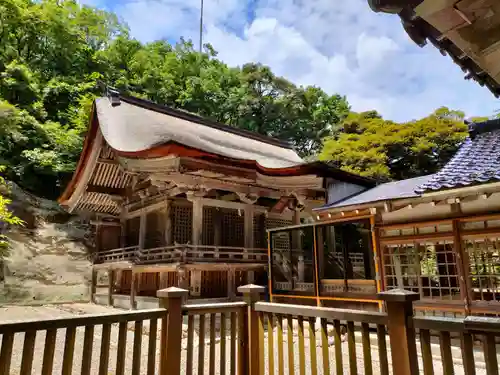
column 48, row 258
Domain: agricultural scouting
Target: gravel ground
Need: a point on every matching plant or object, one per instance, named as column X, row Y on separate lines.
column 42, row 312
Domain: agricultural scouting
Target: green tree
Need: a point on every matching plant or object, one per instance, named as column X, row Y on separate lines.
column 371, row 146
column 6, row 216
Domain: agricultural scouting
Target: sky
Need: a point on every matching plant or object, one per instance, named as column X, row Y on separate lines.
column 341, row 46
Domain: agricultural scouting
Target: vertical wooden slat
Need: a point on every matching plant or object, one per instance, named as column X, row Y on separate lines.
column 233, row 343
column 490, row 357
column 104, row 357
column 120, row 351
column 425, row 344
column 382, row 350
column 6, row 352
column 28, row 347
column 324, row 346
column 136, row 353
column 48, row 351
column 312, row 346
column 190, row 346
column 338, row 348
column 201, row 345
column 467, row 345
column 446, row 358
column 302, row 354
column 351, row 344
column 223, row 319
column 260, row 351
column 88, row 341
column 270, row 343
column 69, row 350
column 212, row 344
column 243, row 342
column 291, row 354
column 153, row 329
column 367, row 353
column 279, row 330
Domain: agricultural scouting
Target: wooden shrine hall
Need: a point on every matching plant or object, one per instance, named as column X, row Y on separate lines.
column 436, row 235
column 178, row 200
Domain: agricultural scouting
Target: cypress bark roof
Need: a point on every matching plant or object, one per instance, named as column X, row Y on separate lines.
column 132, row 125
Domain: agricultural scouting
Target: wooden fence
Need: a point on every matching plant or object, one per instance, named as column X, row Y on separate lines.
column 249, row 338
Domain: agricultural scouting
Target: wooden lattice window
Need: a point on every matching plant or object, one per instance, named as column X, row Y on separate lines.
column 277, row 223
column 233, row 228
column 429, row 269
column 208, row 229
column 484, row 267
column 182, row 224
column 259, row 231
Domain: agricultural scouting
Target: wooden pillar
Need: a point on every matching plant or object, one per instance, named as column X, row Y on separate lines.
column 111, row 284
column 462, row 261
column 168, row 223
column 248, row 224
column 123, row 233
column 253, row 332
column 171, row 330
column 142, row 230
column 320, row 249
column 399, row 306
column 197, row 221
column 93, row 283
column 133, row 285
column 231, row 283
column 296, row 239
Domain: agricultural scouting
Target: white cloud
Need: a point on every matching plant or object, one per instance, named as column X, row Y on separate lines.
column 343, row 47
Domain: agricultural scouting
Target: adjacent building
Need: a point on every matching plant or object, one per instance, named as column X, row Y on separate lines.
column 437, row 235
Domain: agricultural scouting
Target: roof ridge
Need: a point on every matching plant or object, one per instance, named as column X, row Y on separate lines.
column 476, row 128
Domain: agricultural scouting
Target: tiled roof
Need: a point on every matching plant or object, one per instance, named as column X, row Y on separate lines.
column 383, row 192
column 476, row 162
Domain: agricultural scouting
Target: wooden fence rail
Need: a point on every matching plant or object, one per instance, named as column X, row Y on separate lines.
column 250, row 338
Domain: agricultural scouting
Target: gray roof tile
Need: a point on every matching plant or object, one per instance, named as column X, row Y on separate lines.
column 383, row 192
column 476, row 162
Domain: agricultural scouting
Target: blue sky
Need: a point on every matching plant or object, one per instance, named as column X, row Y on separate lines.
column 340, row 46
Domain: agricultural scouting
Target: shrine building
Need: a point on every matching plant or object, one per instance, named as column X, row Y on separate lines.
column 178, row 200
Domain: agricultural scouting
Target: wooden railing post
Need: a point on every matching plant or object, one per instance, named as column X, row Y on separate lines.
column 399, row 305
column 252, row 335
column 171, row 330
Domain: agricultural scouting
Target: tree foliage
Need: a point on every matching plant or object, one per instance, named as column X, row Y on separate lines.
column 371, row 146
column 53, row 53
column 6, row 216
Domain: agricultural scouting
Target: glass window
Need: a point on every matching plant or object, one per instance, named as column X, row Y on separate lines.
column 345, row 258
column 292, row 253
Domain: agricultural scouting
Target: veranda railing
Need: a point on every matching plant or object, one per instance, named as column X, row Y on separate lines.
column 250, row 337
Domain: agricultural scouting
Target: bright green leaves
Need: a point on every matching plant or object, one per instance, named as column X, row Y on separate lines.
column 369, row 145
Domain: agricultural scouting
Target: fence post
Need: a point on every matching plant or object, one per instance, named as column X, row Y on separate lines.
column 399, row 305
column 251, row 345
column 171, row 330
